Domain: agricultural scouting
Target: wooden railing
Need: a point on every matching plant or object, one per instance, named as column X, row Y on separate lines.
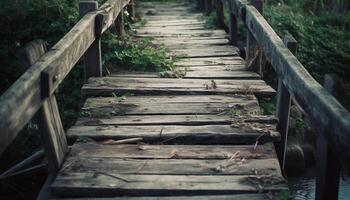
column 33, row 93
column 329, row 118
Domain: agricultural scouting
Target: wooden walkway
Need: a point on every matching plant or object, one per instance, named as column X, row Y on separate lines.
column 202, row 136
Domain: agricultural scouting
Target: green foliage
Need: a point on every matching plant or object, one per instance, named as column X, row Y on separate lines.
column 26, row 20
column 130, row 53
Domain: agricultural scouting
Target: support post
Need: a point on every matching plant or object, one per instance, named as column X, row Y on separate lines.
column 253, row 52
column 119, row 24
column 328, row 165
column 220, row 15
column 200, row 4
column 131, row 10
column 49, row 122
column 233, row 29
column 208, row 7
column 92, row 57
column 283, row 108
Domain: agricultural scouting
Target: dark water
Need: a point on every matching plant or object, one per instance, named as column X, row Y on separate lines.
column 304, row 188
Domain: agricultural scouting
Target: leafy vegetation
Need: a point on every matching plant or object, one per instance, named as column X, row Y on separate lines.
column 323, row 44
column 24, row 21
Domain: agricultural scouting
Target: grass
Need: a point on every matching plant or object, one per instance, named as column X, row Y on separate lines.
column 24, row 21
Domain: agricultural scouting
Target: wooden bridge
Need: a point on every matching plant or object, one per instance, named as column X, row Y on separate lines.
column 198, row 135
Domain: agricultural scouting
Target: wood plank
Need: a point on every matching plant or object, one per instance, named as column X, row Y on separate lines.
column 101, row 184
column 176, row 42
column 212, row 68
column 144, row 151
column 230, row 61
column 208, row 197
column 196, row 74
column 171, row 28
column 194, row 51
column 163, row 31
column 107, row 85
column 103, row 101
column 132, row 120
column 145, row 105
column 206, row 134
column 188, row 167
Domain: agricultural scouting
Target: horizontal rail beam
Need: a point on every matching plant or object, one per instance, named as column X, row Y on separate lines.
column 23, row 99
column 321, row 107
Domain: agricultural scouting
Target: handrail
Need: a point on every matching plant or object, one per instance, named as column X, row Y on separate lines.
column 25, row 97
column 330, row 119
column 324, row 111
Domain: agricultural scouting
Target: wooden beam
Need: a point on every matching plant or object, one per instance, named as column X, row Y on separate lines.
column 119, row 24
column 131, row 10
column 220, row 15
column 23, row 99
column 283, row 109
column 321, row 107
column 92, row 57
column 328, row 166
column 208, row 6
column 253, row 51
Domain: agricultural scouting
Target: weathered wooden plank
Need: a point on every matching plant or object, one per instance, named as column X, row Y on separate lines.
column 23, row 99
column 115, row 109
column 163, row 31
column 320, row 106
column 103, row 101
column 224, row 73
column 169, row 105
column 144, row 151
column 206, row 134
column 208, row 197
column 188, row 167
column 104, row 184
column 203, row 51
column 212, row 68
column 171, row 28
column 132, row 120
column 119, row 85
column 214, row 34
column 212, row 61
column 178, row 42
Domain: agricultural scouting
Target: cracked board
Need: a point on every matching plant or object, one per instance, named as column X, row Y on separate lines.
column 106, row 86
column 98, row 170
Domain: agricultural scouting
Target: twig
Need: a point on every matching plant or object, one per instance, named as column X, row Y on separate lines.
column 125, row 141
column 110, row 175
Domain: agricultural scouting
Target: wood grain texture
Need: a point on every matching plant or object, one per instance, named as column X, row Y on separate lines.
column 106, row 86
column 195, row 170
column 214, row 73
column 208, row 197
column 320, row 106
column 132, row 120
column 205, row 134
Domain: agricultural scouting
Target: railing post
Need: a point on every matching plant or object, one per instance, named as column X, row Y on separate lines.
column 119, row 24
column 328, row 166
column 92, row 57
column 220, row 15
column 200, row 4
column 208, row 6
column 131, row 9
column 48, row 118
column 283, row 108
column 233, row 29
column 253, row 53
